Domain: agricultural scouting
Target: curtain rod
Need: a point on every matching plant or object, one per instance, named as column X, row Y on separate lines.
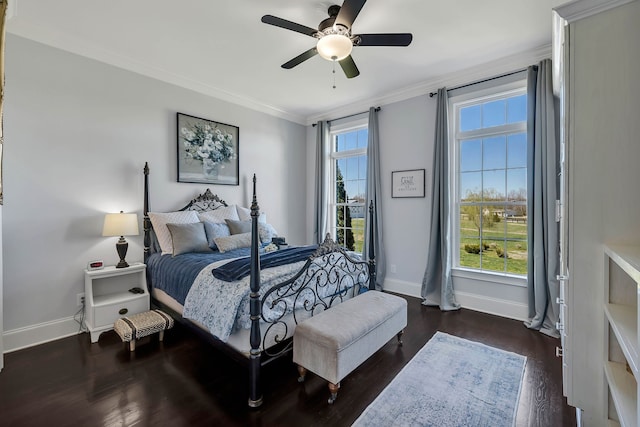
column 346, row 117
column 432, row 94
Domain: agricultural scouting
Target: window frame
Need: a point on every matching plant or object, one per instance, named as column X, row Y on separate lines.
column 456, row 102
column 334, row 131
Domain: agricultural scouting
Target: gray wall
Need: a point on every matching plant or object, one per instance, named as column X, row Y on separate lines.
column 77, row 134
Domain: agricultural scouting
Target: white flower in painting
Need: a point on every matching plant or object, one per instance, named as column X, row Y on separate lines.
column 208, row 142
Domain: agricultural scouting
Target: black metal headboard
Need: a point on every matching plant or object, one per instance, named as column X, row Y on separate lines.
column 206, row 201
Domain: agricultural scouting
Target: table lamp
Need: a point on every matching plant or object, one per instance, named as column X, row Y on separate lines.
column 121, row 224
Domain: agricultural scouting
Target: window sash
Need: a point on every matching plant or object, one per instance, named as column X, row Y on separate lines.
column 334, row 156
column 457, row 137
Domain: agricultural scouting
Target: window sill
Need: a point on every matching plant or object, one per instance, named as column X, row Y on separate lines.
column 504, row 279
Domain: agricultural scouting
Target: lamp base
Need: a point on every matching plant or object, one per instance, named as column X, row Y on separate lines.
column 122, row 247
column 122, row 264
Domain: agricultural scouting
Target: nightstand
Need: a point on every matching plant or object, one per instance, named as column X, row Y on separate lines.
column 107, row 296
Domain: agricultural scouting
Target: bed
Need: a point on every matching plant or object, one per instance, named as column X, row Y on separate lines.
column 242, row 298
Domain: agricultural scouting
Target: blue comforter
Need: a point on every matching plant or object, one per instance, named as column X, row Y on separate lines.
column 175, row 274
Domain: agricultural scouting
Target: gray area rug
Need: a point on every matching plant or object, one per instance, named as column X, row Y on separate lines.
column 451, row 382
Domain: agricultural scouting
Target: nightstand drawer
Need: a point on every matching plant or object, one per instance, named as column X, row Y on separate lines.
column 108, row 314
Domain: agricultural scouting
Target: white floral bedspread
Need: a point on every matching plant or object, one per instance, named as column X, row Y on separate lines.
column 221, row 306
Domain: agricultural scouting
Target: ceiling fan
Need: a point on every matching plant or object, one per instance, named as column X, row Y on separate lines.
column 335, row 39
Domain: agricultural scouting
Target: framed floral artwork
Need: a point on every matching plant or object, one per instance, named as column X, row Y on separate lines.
column 207, row 151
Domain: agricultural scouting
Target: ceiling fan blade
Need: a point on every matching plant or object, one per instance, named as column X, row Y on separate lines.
column 349, row 11
column 288, row 25
column 300, row 58
column 398, row 39
column 349, row 67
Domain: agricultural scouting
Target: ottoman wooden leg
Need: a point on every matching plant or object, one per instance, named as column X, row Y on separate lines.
column 302, row 371
column 161, row 335
column 400, row 337
column 333, row 388
column 132, row 345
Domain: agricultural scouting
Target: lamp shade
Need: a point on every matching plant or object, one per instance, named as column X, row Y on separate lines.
column 120, row 224
column 334, row 47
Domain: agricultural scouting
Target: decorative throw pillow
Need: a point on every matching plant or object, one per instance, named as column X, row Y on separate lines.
column 219, row 215
column 238, row 227
column 244, row 214
column 233, row 241
column 265, row 231
column 215, row 230
column 159, row 221
column 188, row 238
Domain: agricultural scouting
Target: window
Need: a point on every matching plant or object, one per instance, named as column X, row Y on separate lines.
column 349, row 181
column 490, row 181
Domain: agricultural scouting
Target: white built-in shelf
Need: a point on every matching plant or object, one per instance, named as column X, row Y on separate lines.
column 627, row 258
column 623, row 388
column 621, row 313
column 623, row 319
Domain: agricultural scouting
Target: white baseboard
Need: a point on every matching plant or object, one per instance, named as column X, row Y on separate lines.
column 401, row 287
column 499, row 307
column 29, row 336
column 41, row 333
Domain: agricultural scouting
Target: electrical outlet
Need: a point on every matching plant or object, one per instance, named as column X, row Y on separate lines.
column 80, row 299
column 393, row 268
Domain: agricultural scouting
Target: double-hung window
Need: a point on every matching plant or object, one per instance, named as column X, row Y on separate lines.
column 489, row 174
column 348, row 183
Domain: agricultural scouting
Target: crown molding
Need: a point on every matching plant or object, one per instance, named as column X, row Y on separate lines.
column 475, row 73
column 580, row 9
column 76, row 46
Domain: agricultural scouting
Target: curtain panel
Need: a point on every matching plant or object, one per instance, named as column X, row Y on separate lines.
column 543, row 187
column 437, row 284
column 374, row 195
column 321, row 207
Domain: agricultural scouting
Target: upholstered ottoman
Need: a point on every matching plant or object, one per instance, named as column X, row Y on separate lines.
column 141, row 325
column 334, row 342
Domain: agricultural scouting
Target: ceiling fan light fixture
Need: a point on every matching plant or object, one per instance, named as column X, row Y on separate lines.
column 334, row 47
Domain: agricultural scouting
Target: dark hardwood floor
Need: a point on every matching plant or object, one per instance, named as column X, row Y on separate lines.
column 185, row 382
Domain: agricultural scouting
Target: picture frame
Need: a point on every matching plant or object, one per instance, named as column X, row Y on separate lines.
column 407, row 183
column 208, row 151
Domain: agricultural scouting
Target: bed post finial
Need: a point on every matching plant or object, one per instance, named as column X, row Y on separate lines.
column 254, row 199
column 372, row 252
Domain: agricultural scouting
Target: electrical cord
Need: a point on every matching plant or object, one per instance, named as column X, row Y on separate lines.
column 79, row 318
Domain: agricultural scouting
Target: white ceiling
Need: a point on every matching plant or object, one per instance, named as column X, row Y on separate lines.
column 222, row 49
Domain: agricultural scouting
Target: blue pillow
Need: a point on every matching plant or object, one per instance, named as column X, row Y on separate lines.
column 215, row 230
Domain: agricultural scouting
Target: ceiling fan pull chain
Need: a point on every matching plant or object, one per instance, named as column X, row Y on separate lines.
column 334, row 74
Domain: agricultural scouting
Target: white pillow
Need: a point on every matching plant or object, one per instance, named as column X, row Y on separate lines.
column 245, row 215
column 218, row 216
column 159, row 221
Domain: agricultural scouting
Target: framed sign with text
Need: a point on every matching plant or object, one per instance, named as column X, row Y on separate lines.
column 409, row 183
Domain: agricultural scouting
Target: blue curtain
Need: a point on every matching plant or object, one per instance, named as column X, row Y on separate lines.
column 374, row 195
column 437, row 285
column 543, row 186
column 321, row 207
